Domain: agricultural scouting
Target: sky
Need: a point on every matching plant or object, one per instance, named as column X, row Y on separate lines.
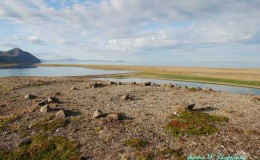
column 133, row 30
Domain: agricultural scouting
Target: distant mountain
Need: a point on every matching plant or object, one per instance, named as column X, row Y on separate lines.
column 18, row 56
column 77, row 60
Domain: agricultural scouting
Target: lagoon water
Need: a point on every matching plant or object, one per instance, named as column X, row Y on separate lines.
column 54, row 71
column 215, row 87
column 78, row 71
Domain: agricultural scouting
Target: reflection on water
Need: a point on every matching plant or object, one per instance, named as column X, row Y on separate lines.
column 216, row 87
column 54, row 71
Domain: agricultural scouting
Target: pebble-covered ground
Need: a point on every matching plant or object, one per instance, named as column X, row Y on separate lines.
column 143, row 109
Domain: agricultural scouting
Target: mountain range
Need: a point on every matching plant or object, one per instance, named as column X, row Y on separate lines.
column 18, row 56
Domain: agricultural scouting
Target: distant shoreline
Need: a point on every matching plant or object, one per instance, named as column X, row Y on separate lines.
column 243, row 77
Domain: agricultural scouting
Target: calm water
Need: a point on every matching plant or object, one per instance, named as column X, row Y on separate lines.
column 54, row 71
column 78, row 71
column 215, row 87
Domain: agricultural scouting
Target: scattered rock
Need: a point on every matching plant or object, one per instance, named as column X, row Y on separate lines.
column 112, row 82
column 190, row 106
column 146, row 84
column 133, row 83
column 97, row 84
column 184, row 87
column 42, row 103
column 29, row 96
column 97, row 114
column 208, row 89
column 57, row 93
column 168, row 85
column 155, row 84
column 45, row 108
column 112, row 117
column 73, row 88
column 126, row 97
column 61, row 114
column 199, row 89
column 53, row 100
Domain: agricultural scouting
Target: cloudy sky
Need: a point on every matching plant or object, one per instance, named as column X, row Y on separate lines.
column 143, row 30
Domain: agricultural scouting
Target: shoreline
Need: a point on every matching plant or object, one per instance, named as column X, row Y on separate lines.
column 240, row 77
column 140, row 73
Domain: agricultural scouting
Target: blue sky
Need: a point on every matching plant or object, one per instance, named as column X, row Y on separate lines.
column 143, row 30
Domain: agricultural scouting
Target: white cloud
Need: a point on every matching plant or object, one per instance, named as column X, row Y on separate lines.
column 114, row 26
column 35, row 40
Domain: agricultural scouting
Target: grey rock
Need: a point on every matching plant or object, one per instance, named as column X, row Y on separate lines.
column 97, row 114
column 42, row 103
column 112, row 117
column 169, row 85
column 190, row 106
column 146, row 83
column 207, row 89
column 73, row 88
column 112, row 82
column 57, row 93
column 97, row 84
column 126, row 97
column 61, row 114
column 199, row 89
column 45, row 108
column 53, row 100
column 29, row 96
column 133, row 83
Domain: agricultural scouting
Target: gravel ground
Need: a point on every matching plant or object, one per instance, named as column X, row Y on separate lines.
column 145, row 115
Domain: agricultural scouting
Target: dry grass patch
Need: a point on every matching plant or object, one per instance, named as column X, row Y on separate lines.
column 137, row 143
column 193, row 123
column 6, row 120
column 49, row 123
column 42, row 147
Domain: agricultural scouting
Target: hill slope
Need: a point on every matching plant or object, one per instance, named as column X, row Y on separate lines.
column 18, row 56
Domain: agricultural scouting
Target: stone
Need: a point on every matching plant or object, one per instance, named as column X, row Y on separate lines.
column 61, row 114
column 112, row 117
column 169, row 85
column 119, row 83
column 146, row 83
column 45, row 108
column 112, row 82
column 207, row 89
column 190, row 106
column 199, row 89
column 184, row 87
column 97, row 84
column 57, row 93
column 126, row 97
column 42, row 103
column 97, row 114
column 73, row 88
column 53, row 100
column 29, row 96
column 133, row 83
